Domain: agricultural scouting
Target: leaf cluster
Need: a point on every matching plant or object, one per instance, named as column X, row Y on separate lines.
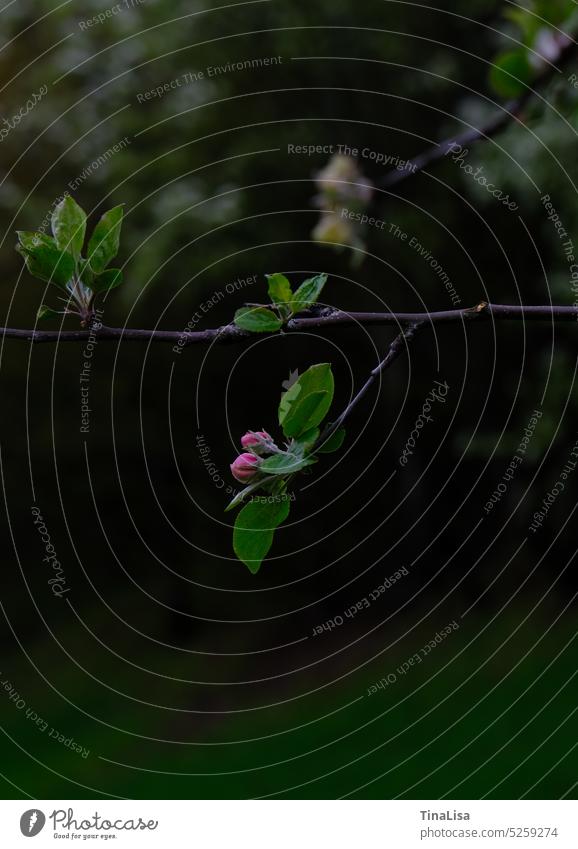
column 284, row 304
column 58, row 259
column 302, row 409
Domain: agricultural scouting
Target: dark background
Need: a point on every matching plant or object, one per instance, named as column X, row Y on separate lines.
column 183, row 674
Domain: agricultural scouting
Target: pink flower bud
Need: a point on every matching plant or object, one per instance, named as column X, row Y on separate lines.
column 256, row 439
column 244, row 468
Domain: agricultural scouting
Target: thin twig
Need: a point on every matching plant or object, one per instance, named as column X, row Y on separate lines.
column 336, row 318
column 231, row 333
column 396, row 349
column 509, row 112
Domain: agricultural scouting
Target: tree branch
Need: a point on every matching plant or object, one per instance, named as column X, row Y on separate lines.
column 231, row 333
column 332, row 318
column 509, row 112
column 396, row 349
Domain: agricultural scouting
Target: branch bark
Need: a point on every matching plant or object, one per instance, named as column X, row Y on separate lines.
column 510, row 112
column 334, row 318
column 396, row 349
column 231, row 333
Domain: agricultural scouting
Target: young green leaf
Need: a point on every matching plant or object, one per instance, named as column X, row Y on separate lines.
column 48, row 263
column 85, row 273
column 511, row 73
column 279, row 289
column 308, row 293
column 285, row 464
column 529, row 23
column 305, row 410
column 104, row 242
column 47, row 312
column 31, row 241
column 305, row 442
column 109, row 279
column 257, row 320
column 69, row 226
column 240, row 496
column 307, row 402
column 254, row 530
column 553, row 11
column 334, row 442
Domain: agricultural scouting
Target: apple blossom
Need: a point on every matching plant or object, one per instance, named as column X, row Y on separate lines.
column 244, row 468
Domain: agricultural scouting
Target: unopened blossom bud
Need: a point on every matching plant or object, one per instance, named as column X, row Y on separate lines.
column 244, row 468
column 257, row 441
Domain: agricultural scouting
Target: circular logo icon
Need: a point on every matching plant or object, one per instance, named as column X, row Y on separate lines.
column 32, row 822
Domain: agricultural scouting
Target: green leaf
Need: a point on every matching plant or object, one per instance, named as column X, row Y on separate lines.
column 305, row 442
column 307, row 402
column 47, row 312
column 69, row 226
column 304, row 411
column 257, row 320
column 280, row 290
column 254, row 530
column 334, row 442
column 553, row 11
column 31, row 241
column 529, row 24
column 511, row 73
column 308, row 293
column 48, row 263
column 240, row 496
column 109, row 279
column 85, row 272
column 104, row 242
column 285, row 464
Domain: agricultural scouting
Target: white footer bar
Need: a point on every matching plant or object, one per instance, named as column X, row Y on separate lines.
column 291, row 824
